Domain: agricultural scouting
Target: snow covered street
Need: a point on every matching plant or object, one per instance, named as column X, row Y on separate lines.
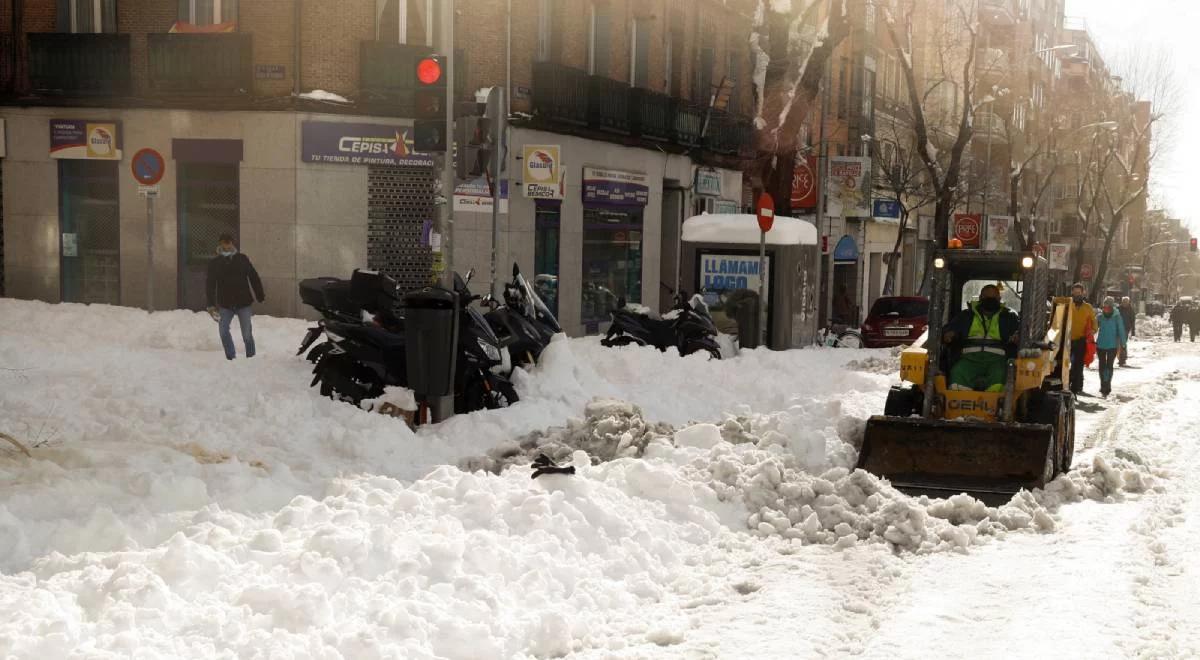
column 177, row 505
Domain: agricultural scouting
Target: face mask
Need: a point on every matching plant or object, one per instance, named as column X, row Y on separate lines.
column 989, row 305
column 226, row 253
column 1108, row 311
column 1078, row 299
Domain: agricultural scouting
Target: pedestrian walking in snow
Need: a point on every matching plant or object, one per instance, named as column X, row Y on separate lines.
column 1083, row 324
column 232, row 286
column 1129, row 317
column 1179, row 314
column 1110, row 340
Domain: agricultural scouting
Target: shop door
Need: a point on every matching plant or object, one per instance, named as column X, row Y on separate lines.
column 90, row 226
column 209, row 205
column 400, row 213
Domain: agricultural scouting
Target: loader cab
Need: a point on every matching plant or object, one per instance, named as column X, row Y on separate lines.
column 959, row 275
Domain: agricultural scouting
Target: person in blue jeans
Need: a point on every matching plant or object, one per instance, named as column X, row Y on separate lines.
column 232, row 286
column 1110, row 341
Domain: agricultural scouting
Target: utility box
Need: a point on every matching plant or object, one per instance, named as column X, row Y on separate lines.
column 721, row 254
column 431, row 341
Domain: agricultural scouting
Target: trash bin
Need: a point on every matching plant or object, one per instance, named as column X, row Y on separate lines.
column 431, row 340
column 746, row 312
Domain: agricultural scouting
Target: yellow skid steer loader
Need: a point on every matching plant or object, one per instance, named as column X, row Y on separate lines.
column 937, row 440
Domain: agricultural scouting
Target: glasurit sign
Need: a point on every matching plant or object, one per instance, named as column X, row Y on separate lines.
column 82, row 139
column 543, row 171
column 359, row 144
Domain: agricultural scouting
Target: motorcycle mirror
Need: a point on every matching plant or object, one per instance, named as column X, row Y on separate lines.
column 516, row 269
column 470, row 275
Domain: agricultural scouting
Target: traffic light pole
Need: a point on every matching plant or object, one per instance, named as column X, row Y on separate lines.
column 498, row 108
column 443, row 259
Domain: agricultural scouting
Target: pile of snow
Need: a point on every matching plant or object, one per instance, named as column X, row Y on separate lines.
column 1154, row 327
column 887, row 364
column 322, row 95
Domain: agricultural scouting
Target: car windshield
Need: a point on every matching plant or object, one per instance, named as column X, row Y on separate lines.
column 1010, row 293
column 900, row 307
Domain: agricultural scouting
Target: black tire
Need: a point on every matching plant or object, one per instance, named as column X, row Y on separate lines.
column 1068, row 458
column 902, row 402
column 850, row 339
column 344, row 379
column 1051, row 409
column 619, row 340
column 497, row 393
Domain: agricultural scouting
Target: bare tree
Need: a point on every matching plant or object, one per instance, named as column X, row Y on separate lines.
column 791, row 51
column 952, row 66
column 900, row 174
column 1152, row 96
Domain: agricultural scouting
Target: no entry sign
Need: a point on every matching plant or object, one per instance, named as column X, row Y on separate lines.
column 766, row 212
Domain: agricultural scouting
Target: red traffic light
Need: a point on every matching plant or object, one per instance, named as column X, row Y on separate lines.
column 1193, row 245
column 429, row 71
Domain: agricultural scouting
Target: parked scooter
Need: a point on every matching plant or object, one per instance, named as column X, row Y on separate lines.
column 687, row 326
column 365, row 358
column 368, row 297
column 523, row 323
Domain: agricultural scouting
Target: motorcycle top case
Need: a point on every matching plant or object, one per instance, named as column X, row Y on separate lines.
column 431, row 337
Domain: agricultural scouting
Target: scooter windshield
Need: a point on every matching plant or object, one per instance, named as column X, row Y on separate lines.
column 541, row 312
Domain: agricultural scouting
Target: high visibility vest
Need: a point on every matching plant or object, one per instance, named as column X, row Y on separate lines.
column 984, row 335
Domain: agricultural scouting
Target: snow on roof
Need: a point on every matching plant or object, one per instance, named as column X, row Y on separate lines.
column 322, row 95
column 742, row 229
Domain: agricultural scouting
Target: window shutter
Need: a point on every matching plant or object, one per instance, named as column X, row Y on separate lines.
column 108, row 11
column 642, row 48
column 63, row 19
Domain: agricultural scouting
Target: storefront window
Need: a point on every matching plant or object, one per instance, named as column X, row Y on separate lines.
column 545, row 253
column 90, row 224
column 612, row 260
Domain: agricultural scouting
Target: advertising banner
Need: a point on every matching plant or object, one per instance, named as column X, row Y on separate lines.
column 615, row 187
column 360, row 144
column 1060, row 254
column 80, row 139
column 804, row 183
column 721, row 275
column 543, row 177
column 850, row 186
column 999, row 232
column 475, row 196
column 968, row 228
column 886, row 209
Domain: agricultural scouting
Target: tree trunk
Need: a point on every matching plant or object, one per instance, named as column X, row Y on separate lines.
column 889, row 282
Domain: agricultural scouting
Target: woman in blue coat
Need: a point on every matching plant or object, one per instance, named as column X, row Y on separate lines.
column 1110, row 339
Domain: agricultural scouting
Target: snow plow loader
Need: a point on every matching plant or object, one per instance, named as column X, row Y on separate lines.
column 940, row 440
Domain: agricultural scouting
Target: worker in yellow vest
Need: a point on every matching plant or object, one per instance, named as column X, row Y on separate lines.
column 982, row 338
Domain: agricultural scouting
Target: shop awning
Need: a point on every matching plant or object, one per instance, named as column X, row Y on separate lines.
column 742, row 229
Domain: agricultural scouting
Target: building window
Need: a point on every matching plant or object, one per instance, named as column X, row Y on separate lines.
column 733, row 75
column 869, row 18
column 612, row 260
column 639, row 53
column 704, row 69
column 545, row 28
column 599, row 38
column 208, row 12
column 843, row 87
column 674, row 56
column 868, row 93
column 547, row 226
column 87, row 16
column 405, row 21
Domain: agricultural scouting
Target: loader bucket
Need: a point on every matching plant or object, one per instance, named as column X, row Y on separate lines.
column 990, row 461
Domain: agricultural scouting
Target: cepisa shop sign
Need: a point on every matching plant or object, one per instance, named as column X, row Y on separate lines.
column 360, row 144
column 80, row 139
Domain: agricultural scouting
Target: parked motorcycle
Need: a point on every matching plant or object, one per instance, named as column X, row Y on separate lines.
column 687, row 326
column 365, row 358
column 523, row 323
column 368, row 297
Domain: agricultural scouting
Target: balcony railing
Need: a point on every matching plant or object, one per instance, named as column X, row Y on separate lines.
column 651, row 114
column 989, row 128
column 79, row 64
column 561, row 93
column 8, row 64
column 200, row 63
column 565, row 95
column 608, row 104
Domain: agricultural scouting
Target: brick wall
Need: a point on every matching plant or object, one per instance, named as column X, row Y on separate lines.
column 137, row 18
column 272, row 24
column 330, row 36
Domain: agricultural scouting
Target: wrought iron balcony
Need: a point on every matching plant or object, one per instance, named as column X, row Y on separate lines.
column 200, row 63
column 79, row 64
column 560, row 93
column 608, row 104
column 651, row 114
column 729, row 134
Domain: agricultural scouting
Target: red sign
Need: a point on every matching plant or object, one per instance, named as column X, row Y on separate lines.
column 766, row 212
column 968, row 229
column 825, row 244
column 1039, row 249
column 1086, row 271
column 804, row 183
column 148, row 167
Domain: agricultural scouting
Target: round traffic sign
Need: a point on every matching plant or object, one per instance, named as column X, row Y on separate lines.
column 966, row 228
column 148, row 167
column 765, row 211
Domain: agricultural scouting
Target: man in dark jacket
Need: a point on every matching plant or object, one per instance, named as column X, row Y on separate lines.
column 982, row 338
column 1179, row 314
column 231, row 277
column 1130, row 320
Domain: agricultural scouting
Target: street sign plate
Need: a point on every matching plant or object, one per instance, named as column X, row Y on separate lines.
column 150, row 192
column 148, row 167
column 766, row 212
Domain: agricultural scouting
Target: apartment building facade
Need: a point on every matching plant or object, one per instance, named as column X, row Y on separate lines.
column 289, row 124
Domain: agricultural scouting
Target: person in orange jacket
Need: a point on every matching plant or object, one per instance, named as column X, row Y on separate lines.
column 1083, row 325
